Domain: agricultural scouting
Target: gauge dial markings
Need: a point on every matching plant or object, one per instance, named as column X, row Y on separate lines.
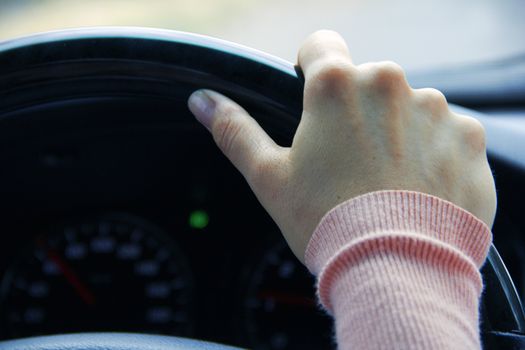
column 116, row 274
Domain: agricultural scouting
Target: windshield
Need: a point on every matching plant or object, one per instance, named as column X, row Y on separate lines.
column 417, row 34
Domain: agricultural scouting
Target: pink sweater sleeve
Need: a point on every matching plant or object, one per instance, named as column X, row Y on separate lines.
column 400, row 270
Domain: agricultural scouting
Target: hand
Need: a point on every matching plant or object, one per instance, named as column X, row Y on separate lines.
column 363, row 129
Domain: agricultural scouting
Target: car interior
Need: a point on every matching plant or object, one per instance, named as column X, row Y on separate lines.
column 119, row 214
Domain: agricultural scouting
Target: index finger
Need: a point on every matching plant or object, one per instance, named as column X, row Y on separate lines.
column 322, row 47
column 329, row 75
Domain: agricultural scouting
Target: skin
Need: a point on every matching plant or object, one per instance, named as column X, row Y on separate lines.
column 363, row 129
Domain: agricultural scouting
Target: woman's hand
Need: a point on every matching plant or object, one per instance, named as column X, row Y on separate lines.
column 363, row 129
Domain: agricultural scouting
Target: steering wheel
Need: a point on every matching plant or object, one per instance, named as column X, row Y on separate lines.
column 72, row 68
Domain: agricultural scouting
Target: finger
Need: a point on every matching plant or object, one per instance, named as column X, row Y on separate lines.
column 431, row 100
column 472, row 133
column 387, row 79
column 322, row 47
column 329, row 73
column 235, row 132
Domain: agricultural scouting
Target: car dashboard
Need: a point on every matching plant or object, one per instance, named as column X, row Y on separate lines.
column 148, row 229
column 120, row 214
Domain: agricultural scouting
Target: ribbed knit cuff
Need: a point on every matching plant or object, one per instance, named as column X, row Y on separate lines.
column 418, row 216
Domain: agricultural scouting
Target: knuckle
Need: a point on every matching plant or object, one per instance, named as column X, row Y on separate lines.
column 432, row 99
column 388, row 77
column 331, row 74
column 473, row 133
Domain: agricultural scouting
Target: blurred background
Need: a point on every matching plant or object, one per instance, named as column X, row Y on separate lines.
column 423, row 34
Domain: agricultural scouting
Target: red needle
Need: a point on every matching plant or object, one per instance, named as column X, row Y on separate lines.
column 80, row 288
column 287, row 298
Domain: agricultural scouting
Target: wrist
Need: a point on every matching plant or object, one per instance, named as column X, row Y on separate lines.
column 407, row 213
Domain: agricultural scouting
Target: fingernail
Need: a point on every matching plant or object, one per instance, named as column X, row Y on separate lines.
column 203, row 107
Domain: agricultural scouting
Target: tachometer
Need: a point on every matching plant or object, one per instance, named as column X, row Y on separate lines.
column 110, row 274
column 280, row 308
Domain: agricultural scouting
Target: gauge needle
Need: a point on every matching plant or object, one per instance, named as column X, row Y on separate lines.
column 287, row 298
column 72, row 278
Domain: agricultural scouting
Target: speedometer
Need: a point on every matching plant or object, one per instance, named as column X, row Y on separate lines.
column 110, row 274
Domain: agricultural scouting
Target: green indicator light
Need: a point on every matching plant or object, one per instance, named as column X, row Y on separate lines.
column 199, row 219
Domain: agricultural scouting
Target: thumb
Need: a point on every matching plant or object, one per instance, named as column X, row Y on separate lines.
column 235, row 132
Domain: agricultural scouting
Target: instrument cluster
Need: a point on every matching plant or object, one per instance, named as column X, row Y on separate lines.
column 121, row 272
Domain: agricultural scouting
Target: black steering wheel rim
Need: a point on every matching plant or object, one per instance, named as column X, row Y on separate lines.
column 71, row 64
column 96, row 63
